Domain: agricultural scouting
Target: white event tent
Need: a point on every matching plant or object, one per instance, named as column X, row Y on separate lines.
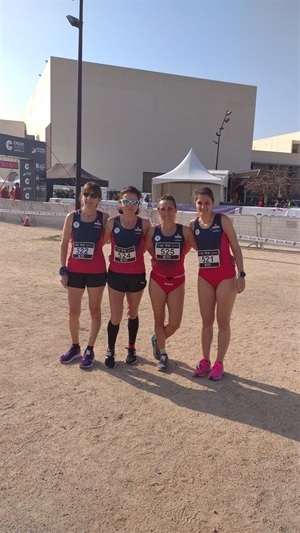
column 186, row 177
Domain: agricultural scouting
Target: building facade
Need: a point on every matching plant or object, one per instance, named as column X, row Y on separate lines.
column 137, row 124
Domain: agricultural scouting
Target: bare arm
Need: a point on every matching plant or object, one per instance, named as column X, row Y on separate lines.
column 64, row 245
column 189, row 238
column 148, row 240
column 108, row 229
column 234, row 244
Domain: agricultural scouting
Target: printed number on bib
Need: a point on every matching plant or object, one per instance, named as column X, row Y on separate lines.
column 83, row 250
column 209, row 258
column 125, row 255
column 167, row 250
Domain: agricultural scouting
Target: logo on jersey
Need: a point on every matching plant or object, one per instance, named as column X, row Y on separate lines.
column 117, row 230
column 178, row 236
column 76, row 224
column 197, row 232
column 157, row 238
column 215, row 227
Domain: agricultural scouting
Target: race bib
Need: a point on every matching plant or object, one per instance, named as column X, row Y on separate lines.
column 124, row 255
column 209, row 258
column 83, row 250
column 167, row 250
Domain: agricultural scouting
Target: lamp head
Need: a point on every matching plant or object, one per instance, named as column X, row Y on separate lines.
column 73, row 21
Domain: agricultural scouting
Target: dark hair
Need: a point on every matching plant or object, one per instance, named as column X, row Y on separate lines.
column 168, row 197
column 203, row 190
column 92, row 187
column 131, row 190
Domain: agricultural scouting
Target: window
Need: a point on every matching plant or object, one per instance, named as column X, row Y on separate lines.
column 295, row 147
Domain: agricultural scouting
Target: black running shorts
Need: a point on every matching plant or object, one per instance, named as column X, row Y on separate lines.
column 126, row 282
column 80, row 281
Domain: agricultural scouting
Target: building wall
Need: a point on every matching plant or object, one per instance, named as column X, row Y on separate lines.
column 16, row 128
column 137, row 121
column 278, row 143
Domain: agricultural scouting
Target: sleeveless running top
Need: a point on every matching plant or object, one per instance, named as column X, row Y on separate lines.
column 127, row 248
column 168, row 252
column 213, row 247
column 86, row 254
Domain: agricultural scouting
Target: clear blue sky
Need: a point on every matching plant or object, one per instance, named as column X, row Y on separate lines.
column 248, row 42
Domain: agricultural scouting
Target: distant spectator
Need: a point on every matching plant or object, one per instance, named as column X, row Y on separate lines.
column 260, row 202
column 17, row 192
column 4, row 192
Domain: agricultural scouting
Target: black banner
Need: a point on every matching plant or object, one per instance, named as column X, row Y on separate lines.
column 32, row 155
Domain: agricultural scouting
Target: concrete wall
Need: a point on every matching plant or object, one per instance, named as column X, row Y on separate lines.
column 278, row 143
column 136, row 121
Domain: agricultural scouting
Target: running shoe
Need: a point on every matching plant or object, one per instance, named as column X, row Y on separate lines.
column 156, row 352
column 217, row 371
column 73, row 352
column 202, row 368
column 88, row 359
column 110, row 359
column 131, row 358
column 163, row 362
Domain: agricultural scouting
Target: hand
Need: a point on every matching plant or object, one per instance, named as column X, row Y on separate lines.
column 240, row 285
column 64, row 281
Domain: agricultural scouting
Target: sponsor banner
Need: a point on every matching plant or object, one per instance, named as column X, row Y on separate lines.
column 27, row 179
column 23, row 148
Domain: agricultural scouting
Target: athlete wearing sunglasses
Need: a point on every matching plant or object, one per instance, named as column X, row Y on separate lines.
column 126, row 273
column 84, row 268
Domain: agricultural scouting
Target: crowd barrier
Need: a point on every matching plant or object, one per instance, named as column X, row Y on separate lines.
column 257, row 230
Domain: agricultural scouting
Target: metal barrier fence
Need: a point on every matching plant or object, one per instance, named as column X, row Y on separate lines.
column 255, row 229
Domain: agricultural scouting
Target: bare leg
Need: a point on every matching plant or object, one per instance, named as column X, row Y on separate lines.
column 95, row 295
column 74, row 302
column 226, row 294
column 207, row 304
column 158, row 299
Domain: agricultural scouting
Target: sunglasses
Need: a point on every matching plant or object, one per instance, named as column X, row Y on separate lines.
column 129, row 202
column 87, row 194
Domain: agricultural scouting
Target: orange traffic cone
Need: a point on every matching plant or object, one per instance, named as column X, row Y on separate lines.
column 26, row 221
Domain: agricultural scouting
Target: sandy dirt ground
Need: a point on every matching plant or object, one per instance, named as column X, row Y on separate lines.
column 131, row 450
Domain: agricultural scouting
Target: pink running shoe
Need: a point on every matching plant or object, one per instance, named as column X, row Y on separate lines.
column 216, row 371
column 202, row 368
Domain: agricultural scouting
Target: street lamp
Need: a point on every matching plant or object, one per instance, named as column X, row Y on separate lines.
column 78, row 23
column 219, row 133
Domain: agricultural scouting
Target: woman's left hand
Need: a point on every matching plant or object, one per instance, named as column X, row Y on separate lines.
column 240, row 285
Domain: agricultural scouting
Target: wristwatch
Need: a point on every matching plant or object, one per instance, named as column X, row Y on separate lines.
column 242, row 274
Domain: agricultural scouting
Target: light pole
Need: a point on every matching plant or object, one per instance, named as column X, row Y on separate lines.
column 219, row 133
column 78, row 23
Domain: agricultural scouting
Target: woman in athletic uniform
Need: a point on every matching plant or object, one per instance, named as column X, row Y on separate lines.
column 168, row 243
column 85, row 267
column 126, row 273
column 217, row 281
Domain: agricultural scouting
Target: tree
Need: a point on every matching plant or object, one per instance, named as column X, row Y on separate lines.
column 273, row 182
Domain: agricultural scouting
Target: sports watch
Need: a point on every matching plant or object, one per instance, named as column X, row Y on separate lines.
column 242, row 274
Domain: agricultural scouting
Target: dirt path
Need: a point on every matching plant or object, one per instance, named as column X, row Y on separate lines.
column 134, row 451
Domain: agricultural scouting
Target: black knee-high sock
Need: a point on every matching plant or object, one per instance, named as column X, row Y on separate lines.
column 112, row 331
column 133, row 326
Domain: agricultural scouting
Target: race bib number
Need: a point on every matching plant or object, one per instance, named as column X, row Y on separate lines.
column 124, row 255
column 209, row 258
column 167, row 250
column 83, row 250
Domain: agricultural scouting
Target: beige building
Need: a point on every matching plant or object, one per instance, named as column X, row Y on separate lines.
column 136, row 124
column 282, row 151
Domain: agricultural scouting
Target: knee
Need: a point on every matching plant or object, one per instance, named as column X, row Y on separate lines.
column 223, row 325
column 174, row 326
column 74, row 312
column 208, row 322
column 95, row 312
